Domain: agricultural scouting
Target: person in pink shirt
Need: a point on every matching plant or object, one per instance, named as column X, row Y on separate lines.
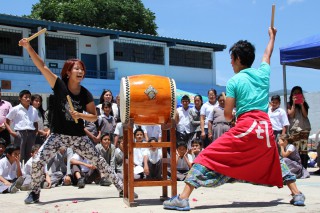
column 5, row 107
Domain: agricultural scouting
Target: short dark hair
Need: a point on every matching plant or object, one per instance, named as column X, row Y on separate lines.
column 11, row 148
column 104, row 135
column 182, row 143
column 24, row 92
column 139, row 129
column 153, row 139
column 196, row 141
column 185, row 98
column 276, row 97
column 245, row 51
column 213, row 90
column 106, row 104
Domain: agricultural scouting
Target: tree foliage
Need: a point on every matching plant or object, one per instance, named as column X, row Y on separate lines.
column 126, row 15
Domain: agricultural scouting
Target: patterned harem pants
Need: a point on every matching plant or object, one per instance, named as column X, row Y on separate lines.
column 80, row 145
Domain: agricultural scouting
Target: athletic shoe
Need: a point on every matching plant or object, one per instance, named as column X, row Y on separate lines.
column 16, row 185
column 81, row 183
column 105, row 182
column 298, row 200
column 121, row 194
column 32, row 198
column 175, row 203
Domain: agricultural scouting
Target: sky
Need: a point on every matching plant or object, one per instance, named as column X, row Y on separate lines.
column 226, row 22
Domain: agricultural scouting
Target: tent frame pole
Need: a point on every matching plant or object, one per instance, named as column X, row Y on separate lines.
column 285, row 87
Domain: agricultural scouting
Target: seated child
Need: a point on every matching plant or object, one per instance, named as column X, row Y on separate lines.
column 152, row 158
column 10, row 170
column 46, row 183
column 60, row 167
column 107, row 150
column 118, row 157
column 2, row 148
column 138, row 155
column 291, row 157
column 196, row 147
column 83, row 172
column 184, row 160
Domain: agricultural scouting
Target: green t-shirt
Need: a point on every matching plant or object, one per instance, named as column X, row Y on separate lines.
column 250, row 88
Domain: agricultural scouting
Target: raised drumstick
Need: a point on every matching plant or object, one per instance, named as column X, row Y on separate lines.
column 71, row 107
column 36, row 34
column 272, row 15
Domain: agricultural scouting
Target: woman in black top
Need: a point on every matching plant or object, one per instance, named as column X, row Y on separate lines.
column 65, row 132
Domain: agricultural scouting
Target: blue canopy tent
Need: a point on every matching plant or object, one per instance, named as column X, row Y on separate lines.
column 303, row 53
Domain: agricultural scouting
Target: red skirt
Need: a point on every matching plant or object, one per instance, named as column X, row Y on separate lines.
column 247, row 151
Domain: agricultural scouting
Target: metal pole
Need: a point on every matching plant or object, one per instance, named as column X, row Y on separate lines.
column 285, row 87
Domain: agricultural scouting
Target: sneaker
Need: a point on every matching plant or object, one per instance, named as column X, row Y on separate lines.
column 32, row 198
column 121, row 194
column 81, row 183
column 175, row 203
column 298, row 200
column 105, row 182
column 16, row 185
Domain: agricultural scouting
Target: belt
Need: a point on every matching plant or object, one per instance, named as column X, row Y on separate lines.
column 27, row 130
column 226, row 123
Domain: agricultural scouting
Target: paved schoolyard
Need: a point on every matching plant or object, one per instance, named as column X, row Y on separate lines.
column 237, row 197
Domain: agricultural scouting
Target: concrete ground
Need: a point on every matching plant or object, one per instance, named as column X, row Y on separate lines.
column 237, row 197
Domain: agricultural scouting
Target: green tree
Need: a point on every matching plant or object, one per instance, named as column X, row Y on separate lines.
column 126, row 15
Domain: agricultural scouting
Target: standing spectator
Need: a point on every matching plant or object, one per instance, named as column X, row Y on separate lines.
column 106, row 122
column 182, row 120
column 204, row 113
column 278, row 117
column 291, row 157
column 36, row 102
column 194, row 117
column 67, row 125
column 5, row 107
column 300, row 127
column 107, row 151
column 11, row 178
column 106, row 95
column 153, row 131
column 217, row 124
column 25, row 120
column 152, row 158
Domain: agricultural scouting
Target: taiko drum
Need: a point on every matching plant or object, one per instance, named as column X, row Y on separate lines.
column 148, row 99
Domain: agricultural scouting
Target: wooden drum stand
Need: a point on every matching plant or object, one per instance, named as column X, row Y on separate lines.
column 148, row 100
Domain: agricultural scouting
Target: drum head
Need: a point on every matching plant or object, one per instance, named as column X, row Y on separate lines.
column 124, row 100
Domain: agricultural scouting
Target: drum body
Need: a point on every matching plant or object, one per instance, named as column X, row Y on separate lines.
column 148, row 99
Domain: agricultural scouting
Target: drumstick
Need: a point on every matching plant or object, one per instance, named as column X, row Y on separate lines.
column 272, row 15
column 71, row 107
column 36, row 34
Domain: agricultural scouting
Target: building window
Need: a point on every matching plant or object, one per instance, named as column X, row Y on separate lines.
column 140, row 53
column 190, row 58
column 61, row 48
column 9, row 40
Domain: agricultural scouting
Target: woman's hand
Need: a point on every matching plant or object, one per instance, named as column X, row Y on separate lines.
column 24, row 43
